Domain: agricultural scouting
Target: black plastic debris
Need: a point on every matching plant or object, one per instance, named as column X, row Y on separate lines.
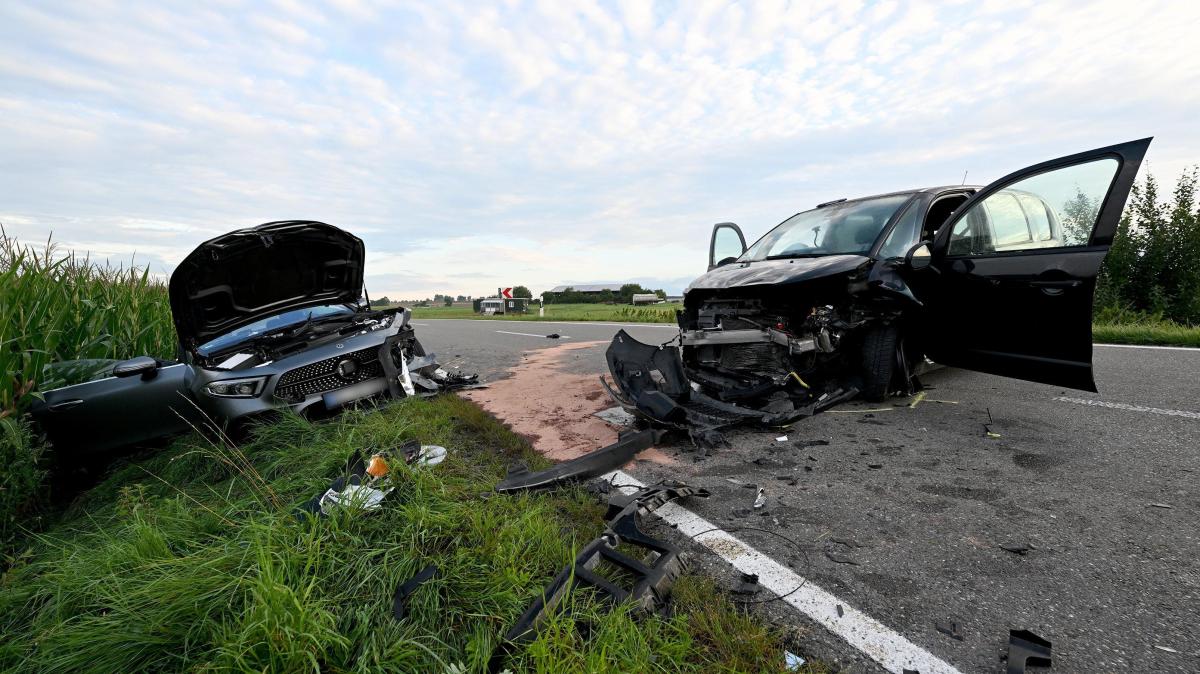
column 354, row 488
column 652, row 577
column 1026, row 648
column 593, row 464
column 747, row 584
column 553, row 335
column 1017, row 548
column 840, row 611
column 951, row 630
column 405, row 590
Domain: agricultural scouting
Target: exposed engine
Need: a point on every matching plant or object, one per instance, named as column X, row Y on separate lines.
column 743, row 347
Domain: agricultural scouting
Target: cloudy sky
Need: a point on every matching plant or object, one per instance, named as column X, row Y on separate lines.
column 474, row 145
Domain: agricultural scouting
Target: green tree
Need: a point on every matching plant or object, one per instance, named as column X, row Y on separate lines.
column 521, row 291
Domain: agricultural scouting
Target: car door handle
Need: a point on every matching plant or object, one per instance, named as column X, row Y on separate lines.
column 1063, row 283
column 65, row 405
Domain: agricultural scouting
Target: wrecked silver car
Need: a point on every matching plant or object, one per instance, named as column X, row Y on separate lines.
column 268, row 317
column 855, row 295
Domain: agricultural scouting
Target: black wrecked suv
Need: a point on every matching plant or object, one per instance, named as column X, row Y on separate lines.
column 857, row 293
column 268, row 317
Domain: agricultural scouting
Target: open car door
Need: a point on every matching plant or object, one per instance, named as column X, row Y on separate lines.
column 1018, row 264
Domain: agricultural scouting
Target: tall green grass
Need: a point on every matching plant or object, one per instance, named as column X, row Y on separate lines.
column 189, row 561
column 57, row 306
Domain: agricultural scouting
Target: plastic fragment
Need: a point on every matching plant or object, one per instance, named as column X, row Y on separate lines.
column 792, row 662
column 761, row 499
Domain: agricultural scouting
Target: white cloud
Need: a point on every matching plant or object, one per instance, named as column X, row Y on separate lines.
column 551, row 142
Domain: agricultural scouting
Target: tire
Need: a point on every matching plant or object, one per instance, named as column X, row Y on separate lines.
column 879, row 362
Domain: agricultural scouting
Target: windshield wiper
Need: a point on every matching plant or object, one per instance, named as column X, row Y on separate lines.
column 787, row 256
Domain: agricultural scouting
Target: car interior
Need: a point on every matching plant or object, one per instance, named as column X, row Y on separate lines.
column 939, row 212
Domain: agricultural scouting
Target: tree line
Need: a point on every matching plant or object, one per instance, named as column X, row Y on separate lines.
column 1152, row 270
column 622, row 296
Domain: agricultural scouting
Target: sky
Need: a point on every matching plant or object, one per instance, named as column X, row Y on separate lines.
column 476, row 145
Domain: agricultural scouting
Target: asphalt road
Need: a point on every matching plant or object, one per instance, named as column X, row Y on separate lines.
column 904, row 511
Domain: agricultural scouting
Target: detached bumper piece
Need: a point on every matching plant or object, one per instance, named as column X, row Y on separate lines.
column 628, row 445
column 406, row 374
column 652, row 577
column 651, row 383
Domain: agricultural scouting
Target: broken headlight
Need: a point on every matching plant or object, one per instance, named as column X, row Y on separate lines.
column 250, row 387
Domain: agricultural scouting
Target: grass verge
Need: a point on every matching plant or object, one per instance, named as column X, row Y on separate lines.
column 193, row 559
column 1147, row 334
column 656, row 313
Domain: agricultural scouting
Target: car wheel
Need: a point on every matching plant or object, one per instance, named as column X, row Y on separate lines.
column 879, row 362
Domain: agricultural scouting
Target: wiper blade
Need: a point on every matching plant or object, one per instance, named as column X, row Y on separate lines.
column 793, row 255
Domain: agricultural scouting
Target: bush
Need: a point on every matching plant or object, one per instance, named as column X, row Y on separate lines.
column 1152, row 271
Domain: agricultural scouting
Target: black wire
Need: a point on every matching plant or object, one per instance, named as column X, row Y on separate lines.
column 799, row 548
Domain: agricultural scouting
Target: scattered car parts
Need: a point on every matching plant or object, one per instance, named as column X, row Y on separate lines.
column 1026, row 648
column 404, row 590
column 652, row 576
column 590, row 465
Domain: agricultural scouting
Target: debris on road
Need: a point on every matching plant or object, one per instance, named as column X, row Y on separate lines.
column 593, row 464
column 1168, row 649
column 782, row 438
column 1025, row 647
column 616, row 416
column 747, row 584
column 1017, row 548
column 553, row 335
column 652, row 578
column 405, row 589
column 760, row 499
column 951, row 630
column 1161, row 505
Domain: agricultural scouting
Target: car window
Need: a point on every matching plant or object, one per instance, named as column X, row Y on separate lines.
column 1009, row 226
column 1049, row 210
column 843, row 228
column 904, row 235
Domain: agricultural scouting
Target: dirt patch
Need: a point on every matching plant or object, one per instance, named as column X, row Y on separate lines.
column 553, row 408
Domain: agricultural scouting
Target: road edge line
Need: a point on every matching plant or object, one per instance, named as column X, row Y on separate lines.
column 874, row 639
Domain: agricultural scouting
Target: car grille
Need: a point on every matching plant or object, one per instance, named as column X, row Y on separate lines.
column 323, row 375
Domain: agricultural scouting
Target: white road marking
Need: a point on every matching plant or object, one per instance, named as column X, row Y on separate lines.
column 421, row 324
column 1131, row 408
column 1149, row 346
column 528, row 334
column 884, row 645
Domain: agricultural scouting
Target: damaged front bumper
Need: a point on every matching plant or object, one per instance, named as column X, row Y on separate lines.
column 651, row 383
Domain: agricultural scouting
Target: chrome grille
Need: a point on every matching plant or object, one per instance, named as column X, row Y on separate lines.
column 322, row 375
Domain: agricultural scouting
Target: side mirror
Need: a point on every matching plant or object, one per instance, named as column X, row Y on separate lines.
column 145, row 366
column 919, row 257
column 727, row 244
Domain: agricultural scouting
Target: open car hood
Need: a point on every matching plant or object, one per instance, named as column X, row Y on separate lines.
column 251, row 274
column 776, row 272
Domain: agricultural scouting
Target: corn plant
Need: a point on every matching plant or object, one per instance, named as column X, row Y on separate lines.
column 58, row 306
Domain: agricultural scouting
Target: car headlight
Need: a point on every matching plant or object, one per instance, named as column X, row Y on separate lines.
column 250, row 387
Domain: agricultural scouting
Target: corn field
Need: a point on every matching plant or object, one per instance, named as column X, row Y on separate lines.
column 58, row 306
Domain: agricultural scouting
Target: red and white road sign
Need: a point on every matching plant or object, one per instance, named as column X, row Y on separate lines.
column 507, row 292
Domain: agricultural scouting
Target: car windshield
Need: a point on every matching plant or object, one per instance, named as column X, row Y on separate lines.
column 276, row 322
column 838, row 229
